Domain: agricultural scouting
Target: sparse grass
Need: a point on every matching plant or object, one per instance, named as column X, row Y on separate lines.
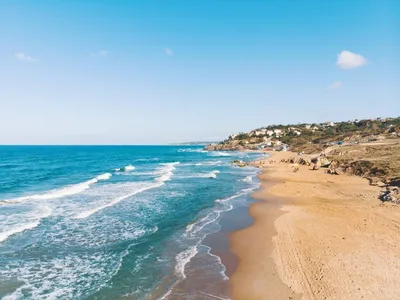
column 379, row 161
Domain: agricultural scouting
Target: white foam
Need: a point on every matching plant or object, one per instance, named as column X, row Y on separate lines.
column 147, row 159
column 213, row 216
column 129, row 168
column 192, row 150
column 247, row 179
column 212, row 174
column 4, row 235
column 25, row 226
column 182, row 259
column 224, row 277
column 219, row 153
column 63, row 192
column 104, row 176
column 90, row 212
column 165, row 173
column 189, row 228
column 70, row 276
column 244, row 192
column 209, row 163
column 193, row 228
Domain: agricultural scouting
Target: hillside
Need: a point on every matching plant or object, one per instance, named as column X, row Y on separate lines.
column 366, row 148
column 311, row 138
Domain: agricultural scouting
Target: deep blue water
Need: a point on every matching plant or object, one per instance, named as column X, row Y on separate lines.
column 111, row 222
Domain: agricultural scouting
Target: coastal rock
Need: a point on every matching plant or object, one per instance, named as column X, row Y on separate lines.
column 350, row 171
column 231, row 146
column 210, row 147
column 239, row 163
column 325, row 162
column 316, row 163
column 302, row 160
column 334, row 168
column 392, row 195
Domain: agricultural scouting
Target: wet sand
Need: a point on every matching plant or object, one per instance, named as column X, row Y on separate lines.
column 204, row 279
column 317, row 236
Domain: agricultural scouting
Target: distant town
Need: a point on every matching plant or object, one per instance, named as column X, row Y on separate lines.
column 281, row 137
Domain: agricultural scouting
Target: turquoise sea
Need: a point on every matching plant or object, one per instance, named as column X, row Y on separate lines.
column 116, row 222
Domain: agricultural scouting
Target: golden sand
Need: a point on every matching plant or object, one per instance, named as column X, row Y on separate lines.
column 317, row 236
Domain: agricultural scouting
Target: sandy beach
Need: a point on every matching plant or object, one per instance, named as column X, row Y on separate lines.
column 317, row 236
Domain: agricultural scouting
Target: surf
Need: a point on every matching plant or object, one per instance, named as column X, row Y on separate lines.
column 62, row 192
column 165, row 173
column 29, row 225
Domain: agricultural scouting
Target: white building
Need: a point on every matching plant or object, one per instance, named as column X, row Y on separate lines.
column 315, row 128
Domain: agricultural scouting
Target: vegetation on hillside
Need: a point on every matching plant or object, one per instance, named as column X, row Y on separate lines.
column 311, row 138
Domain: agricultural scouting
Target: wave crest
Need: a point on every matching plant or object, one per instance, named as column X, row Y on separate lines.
column 26, row 226
column 68, row 190
column 165, row 174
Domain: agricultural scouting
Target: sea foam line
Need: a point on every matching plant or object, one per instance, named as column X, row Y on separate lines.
column 90, row 212
column 192, row 150
column 183, row 258
column 4, row 235
column 165, row 173
column 210, row 163
column 199, row 224
column 219, row 153
column 26, row 226
column 127, row 168
column 247, row 179
column 212, row 174
column 62, row 192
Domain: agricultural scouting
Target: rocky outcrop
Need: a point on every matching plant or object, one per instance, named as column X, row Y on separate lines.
column 230, row 146
column 239, row 163
column 324, row 161
column 392, row 194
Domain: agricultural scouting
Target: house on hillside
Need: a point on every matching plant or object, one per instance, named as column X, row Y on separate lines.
column 314, row 128
column 270, row 132
column 265, row 139
column 260, row 132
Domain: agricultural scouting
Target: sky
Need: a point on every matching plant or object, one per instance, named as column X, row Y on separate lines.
column 156, row 72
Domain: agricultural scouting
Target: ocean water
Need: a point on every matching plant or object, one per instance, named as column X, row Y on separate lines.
column 115, row 222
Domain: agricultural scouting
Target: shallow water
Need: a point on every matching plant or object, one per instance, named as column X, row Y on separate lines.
column 115, row 222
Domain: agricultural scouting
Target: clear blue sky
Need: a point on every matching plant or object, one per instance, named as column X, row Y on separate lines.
column 145, row 72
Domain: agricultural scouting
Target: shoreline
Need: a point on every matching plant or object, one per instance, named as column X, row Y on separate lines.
column 295, row 249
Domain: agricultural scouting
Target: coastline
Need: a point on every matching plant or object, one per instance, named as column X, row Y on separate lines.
column 316, row 236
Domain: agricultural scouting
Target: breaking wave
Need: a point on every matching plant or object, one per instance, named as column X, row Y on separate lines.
column 212, row 174
column 219, row 153
column 165, row 173
column 192, row 150
column 25, row 226
column 248, row 179
column 127, row 168
column 63, row 192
